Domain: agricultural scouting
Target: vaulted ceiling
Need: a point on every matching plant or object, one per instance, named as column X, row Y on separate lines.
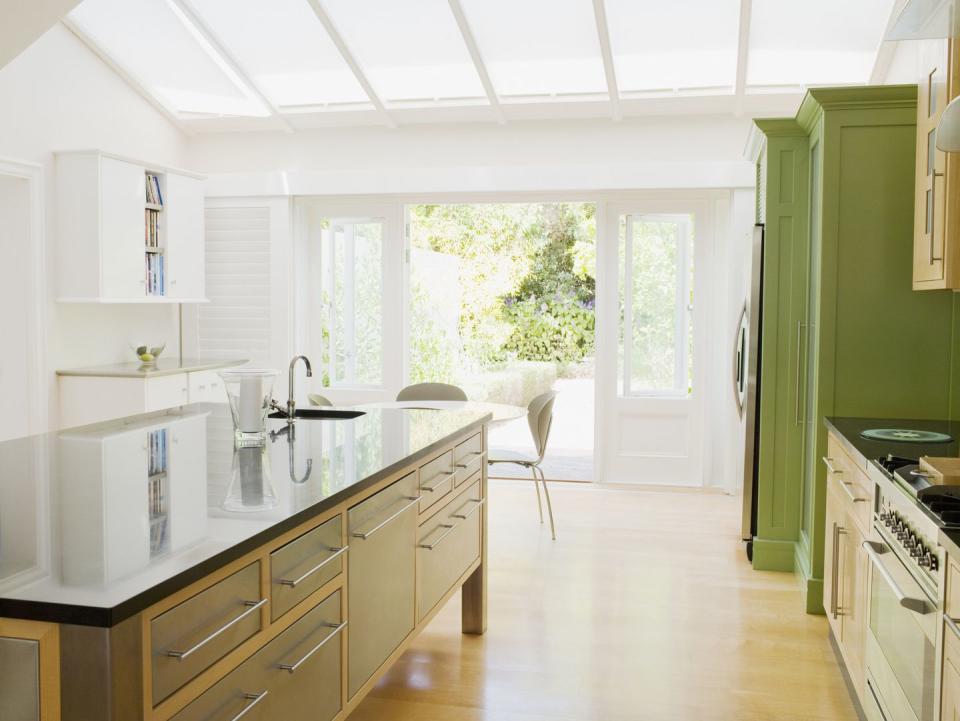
column 289, row 64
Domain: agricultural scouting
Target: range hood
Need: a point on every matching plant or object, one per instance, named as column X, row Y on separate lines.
column 925, row 20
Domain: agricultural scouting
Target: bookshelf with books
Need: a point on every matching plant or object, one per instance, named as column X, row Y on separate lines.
column 106, row 204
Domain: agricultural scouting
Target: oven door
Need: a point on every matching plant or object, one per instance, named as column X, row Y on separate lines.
column 901, row 642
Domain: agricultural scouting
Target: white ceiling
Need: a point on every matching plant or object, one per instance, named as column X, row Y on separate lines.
column 290, row 64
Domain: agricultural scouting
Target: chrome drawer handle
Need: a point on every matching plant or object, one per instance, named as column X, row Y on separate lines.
column 952, row 624
column 254, row 699
column 917, row 605
column 337, row 628
column 854, row 499
column 431, row 546
column 828, row 462
column 435, row 486
column 253, row 606
column 465, row 516
column 364, row 535
column 467, row 465
column 337, row 553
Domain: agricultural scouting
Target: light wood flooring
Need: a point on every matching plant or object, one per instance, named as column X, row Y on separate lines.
column 645, row 608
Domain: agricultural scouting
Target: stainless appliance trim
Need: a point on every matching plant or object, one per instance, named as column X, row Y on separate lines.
column 751, row 403
column 918, row 605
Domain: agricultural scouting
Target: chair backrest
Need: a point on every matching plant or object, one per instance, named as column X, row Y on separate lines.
column 432, row 392
column 318, row 400
column 540, row 418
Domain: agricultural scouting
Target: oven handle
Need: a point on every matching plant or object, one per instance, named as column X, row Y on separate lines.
column 917, row 605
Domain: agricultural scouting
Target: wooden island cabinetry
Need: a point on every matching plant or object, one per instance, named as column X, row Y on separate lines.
column 297, row 620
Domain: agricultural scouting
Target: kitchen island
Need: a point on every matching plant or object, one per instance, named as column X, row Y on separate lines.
column 151, row 570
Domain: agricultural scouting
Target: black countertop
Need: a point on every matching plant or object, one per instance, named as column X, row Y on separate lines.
column 849, row 430
column 88, row 536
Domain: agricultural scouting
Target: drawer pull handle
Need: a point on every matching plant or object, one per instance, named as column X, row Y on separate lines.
column 953, row 625
column 467, row 465
column 449, row 527
column 828, row 462
column 254, row 699
column 252, row 606
column 337, row 553
column 435, row 486
column 364, row 535
column 337, row 628
column 465, row 516
column 853, row 499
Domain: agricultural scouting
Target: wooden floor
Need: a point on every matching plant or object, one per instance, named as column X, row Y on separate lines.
column 644, row 609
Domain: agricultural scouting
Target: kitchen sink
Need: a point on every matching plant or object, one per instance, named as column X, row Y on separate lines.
column 320, row 413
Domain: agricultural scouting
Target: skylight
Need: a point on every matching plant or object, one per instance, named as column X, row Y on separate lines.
column 816, row 42
column 149, row 39
column 674, row 45
column 203, row 59
column 547, row 47
column 410, row 50
column 285, row 50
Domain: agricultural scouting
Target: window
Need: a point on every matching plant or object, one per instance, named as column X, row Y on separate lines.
column 351, row 302
column 656, row 274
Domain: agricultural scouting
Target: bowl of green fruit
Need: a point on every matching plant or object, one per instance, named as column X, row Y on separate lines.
column 147, row 355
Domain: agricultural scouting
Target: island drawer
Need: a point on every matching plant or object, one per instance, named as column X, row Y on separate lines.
column 468, row 457
column 304, row 565
column 436, row 480
column 193, row 635
column 295, row 677
column 446, row 546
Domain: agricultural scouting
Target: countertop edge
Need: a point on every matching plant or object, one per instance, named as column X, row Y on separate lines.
column 108, row 617
column 93, row 372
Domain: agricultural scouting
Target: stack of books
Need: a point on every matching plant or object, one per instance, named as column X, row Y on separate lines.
column 154, row 196
column 156, row 275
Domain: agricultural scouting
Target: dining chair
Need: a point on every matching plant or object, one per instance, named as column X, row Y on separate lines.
column 318, row 400
column 431, row 392
column 539, row 418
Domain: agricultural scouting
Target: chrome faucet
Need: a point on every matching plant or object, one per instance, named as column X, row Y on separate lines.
column 291, row 403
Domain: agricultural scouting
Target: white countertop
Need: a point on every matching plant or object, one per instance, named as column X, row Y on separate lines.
column 163, row 367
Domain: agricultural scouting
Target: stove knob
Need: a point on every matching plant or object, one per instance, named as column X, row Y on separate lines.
column 916, row 552
column 934, row 564
column 926, row 560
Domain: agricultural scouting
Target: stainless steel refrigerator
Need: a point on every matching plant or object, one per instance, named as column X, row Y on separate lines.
column 747, row 385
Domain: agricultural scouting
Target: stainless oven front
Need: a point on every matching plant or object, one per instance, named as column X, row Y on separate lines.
column 901, row 639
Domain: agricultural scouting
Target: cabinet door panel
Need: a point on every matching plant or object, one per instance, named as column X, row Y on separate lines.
column 122, row 242
column 381, row 577
column 183, row 212
column 833, row 562
column 853, row 603
column 950, row 705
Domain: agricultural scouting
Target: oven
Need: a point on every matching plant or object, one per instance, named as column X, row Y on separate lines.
column 901, row 637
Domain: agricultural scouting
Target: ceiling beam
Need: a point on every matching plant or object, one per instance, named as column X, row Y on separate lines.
column 457, row 9
column 189, row 17
column 351, row 62
column 129, row 79
column 603, row 34
column 743, row 54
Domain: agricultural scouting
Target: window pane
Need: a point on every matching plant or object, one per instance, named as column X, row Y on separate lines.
column 545, row 47
column 815, row 42
column 655, row 278
column 352, row 301
column 671, row 45
column 151, row 42
column 409, row 50
column 285, row 50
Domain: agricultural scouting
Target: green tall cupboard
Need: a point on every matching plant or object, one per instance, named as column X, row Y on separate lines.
column 843, row 333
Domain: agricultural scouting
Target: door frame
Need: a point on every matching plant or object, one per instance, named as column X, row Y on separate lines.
column 711, row 211
column 38, row 376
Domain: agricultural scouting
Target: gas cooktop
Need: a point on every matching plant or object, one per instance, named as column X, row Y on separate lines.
column 940, row 502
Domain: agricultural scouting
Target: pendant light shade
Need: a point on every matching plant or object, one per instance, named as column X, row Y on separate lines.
column 948, row 129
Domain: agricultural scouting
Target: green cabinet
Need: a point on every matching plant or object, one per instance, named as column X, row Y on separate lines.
column 843, row 332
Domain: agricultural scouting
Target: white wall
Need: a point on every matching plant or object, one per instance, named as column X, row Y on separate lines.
column 677, row 152
column 56, row 95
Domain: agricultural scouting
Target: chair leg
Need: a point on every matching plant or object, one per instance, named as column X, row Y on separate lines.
column 546, row 492
column 537, row 486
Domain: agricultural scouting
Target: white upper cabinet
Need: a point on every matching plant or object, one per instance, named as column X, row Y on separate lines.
column 127, row 231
